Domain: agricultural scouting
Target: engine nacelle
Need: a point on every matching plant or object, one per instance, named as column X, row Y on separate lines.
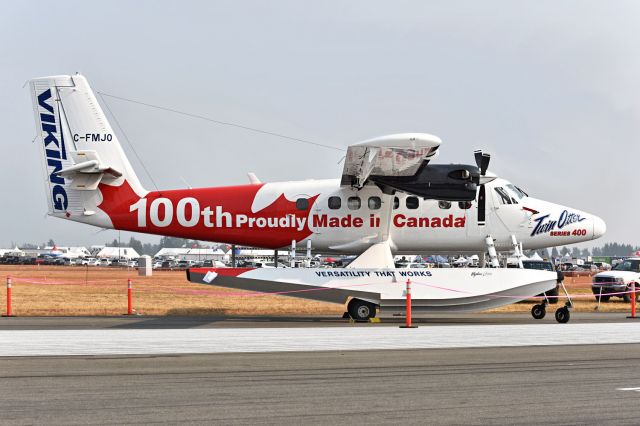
column 450, row 182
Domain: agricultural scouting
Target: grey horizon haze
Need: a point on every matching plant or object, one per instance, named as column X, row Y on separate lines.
column 550, row 88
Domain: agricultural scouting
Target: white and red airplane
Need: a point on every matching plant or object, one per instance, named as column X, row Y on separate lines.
column 389, row 200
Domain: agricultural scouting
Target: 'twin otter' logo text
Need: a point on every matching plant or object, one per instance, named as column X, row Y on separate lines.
column 55, row 151
column 543, row 225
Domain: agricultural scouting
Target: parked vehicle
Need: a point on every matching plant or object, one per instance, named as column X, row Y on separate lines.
column 169, row 264
column 544, row 265
column 618, row 280
column 577, row 271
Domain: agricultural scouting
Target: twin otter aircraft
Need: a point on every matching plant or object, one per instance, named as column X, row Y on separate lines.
column 389, row 200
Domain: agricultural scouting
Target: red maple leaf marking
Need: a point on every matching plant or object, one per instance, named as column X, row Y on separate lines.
column 235, row 200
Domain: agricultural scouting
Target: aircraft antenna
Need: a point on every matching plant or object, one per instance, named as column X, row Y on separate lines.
column 224, row 123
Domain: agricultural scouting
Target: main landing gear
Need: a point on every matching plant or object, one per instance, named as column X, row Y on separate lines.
column 359, row 310
column 562, row 314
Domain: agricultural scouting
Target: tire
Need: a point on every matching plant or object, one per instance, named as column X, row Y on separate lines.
column 538, row 311
column 361, row 310
column 603, row 299
column 563, row 315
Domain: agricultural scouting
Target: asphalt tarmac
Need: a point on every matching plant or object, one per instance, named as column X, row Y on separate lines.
column 591, row 384
column 149, row 322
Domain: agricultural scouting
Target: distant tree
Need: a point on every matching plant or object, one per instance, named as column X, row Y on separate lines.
column 544, row 253
column 51, row 242
column 113, row 243
column 172, row 242
column 575, row 252
column 564, row 251
column 585, row 252
column 554, row 252
column 136, row 245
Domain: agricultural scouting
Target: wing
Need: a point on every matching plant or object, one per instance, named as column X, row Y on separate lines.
column 389, row 156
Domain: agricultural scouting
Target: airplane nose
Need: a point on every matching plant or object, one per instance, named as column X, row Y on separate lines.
column 599, row 227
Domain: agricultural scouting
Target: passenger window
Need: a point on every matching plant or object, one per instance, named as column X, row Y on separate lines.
column 504, row 197
column 302, row 204
column 444, row 205
column 335, row 203
column 413, row 203
column 353, row 203
column 374, row 203
column 464, row 205
column 396, row 203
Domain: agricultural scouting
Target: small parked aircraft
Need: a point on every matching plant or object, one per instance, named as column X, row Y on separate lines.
column 390, row 199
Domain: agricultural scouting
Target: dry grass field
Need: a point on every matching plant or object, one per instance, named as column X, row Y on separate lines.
column 75, row 291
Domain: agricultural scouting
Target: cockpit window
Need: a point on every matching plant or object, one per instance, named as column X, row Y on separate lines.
column 504, row 197
column 517, row 191
column 520, row 189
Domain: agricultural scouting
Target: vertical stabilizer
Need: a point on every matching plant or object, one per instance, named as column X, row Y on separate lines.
column 79, row 147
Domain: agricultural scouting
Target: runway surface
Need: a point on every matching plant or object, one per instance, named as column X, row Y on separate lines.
column 517, row 385
column 177, row 322
column 226, row 340
column 472, row 369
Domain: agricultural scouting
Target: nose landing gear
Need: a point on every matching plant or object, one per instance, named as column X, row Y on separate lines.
column 562, row 315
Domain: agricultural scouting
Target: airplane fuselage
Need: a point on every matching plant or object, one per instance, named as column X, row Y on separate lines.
column 345, row 220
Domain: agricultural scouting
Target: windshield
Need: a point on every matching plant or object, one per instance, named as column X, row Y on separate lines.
column 514, row 190
column 545, row 266
column 628, row 265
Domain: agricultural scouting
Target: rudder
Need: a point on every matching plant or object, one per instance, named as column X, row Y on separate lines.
column 80, row 148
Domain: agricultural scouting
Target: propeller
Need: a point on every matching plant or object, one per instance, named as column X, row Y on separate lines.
column 482, row 161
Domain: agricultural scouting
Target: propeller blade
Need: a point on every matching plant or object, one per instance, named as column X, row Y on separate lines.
column 478, row 156
column 484, row 163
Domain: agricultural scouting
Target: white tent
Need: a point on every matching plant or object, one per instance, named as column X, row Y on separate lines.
column 118, row 252
column 183, row 253
column 12, row 252
column 535, row 256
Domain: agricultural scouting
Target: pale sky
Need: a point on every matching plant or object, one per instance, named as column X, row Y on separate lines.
column 550, row 88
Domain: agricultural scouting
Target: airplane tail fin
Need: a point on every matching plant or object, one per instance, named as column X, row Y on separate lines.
column 79, row 147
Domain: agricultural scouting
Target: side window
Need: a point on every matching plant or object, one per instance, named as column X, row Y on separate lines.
column 353, row 203
column 396, row 203
column 504, row 197
column 413, row 203
column 302, row 204
column 374, row 203
column 464, row 205
column 444, row 205
column 335, row 203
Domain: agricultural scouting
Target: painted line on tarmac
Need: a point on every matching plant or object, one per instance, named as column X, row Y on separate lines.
column 181, row 341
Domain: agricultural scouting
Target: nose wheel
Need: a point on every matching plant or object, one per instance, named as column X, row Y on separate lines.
column 563, row 315
column 539, row 311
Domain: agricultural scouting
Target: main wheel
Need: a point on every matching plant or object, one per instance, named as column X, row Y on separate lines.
column 563, row 315
column 603, row 299
column 538, row 311
column 361, row 310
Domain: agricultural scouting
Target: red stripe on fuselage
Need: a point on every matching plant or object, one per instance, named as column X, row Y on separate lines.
column 234, row 200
